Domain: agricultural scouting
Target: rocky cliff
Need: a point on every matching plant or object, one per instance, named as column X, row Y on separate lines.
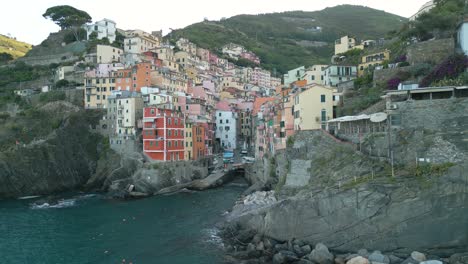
column 329, row 192
column 61, row 160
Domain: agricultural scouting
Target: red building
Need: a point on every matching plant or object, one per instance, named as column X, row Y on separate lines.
column 163, row 134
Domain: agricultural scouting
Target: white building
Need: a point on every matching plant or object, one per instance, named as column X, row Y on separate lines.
column 104, row 54
column 261, row 77
column 462, row 37
column 294, row 75
column 105, row 29
column 233, row 50
column 124, row 110
column 138, row 41
column 226, row 129
column 425, row 8
column 336, row 74
column 344, row 44
column 315, row 74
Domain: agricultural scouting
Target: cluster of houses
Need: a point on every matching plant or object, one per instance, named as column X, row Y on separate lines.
column 183, row 102
column 172, row 102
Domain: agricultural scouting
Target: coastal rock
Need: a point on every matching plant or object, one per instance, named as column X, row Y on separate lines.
column 321, row 255
column 418, row 256
column 432, row 262
column 365, row 214
column 358, row 260
column 363, row 253
column 284, row 256
column 340, row 260
column 260, row 246
column 377, row 256
column 306, row 249
column 394, row 259
column 459, row 258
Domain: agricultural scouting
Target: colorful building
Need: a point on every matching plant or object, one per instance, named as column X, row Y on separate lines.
column 314, row 107
column 372, row 61
column 163, row 134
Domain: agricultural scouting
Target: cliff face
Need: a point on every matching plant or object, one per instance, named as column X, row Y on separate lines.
column 330, row 193
column 59, row 161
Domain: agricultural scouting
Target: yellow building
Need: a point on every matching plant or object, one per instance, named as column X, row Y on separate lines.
column 346, row 43
column 188, row 141
column 372, row 60
column 314, row 107
column 315, row 74
column 97, row 90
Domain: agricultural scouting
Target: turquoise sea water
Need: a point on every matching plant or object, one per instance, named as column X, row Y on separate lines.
column 178, row 228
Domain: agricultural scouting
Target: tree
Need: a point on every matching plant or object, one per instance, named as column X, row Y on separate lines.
column 5, row 57
column 68, row 17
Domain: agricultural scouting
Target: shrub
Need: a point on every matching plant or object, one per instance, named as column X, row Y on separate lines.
column 52, row 96
column 290, row 141
column 403, row 64
column 393, row 83
column 451, row 68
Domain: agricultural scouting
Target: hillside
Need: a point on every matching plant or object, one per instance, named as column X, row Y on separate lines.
column 290, row 39
column 15, row 48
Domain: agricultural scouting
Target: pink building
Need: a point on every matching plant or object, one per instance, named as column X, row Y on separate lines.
column 248, row 55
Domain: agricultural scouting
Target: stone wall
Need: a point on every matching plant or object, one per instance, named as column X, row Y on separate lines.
column 383, row 75
column 431, row 51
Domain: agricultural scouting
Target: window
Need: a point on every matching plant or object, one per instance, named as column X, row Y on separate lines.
column 282, row 124
column 169, row 133
column 152, row 111
column 297, row 114
column 169, row 144
column 98, row 97
column 227, row 121
column 191, row 144
column 104, row 97
column 322, row 98
column 324, row 115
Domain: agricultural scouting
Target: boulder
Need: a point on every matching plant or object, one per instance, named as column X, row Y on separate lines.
column 279, row 247
column 268, row 243
column 279, row 258
column 339, row 260
column 297, row 249
column 260, row 246
column 306, row 249
column 394, row 259
column 460, row 258
column 377, row 256
column 358, row 260
column 410, row 260
column 256, row 239
column 418, row 256
column 363, row 253
column 321, row 255
column 250, row 247
column 304, row 261
column 284, row 256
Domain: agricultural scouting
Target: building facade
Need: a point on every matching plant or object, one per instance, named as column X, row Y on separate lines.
column 163, row 134
column 313, row 108
column 336, row 74
column 105, row 28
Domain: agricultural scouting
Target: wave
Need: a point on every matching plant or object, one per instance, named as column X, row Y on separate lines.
column 213, row 237
column 60, row 204
column 28, row 197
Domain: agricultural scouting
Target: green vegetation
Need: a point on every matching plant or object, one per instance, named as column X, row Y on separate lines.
column 21, row 72
column 12, row 47
column 68, row 17
column 52, row 96
column 274, row 37
column 439, row 22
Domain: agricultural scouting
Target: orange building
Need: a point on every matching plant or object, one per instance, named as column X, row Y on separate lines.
column 123, row 80
column 199, row 147
column 141, row 76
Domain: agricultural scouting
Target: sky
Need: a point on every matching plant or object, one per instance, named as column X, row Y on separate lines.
column 149, row 15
